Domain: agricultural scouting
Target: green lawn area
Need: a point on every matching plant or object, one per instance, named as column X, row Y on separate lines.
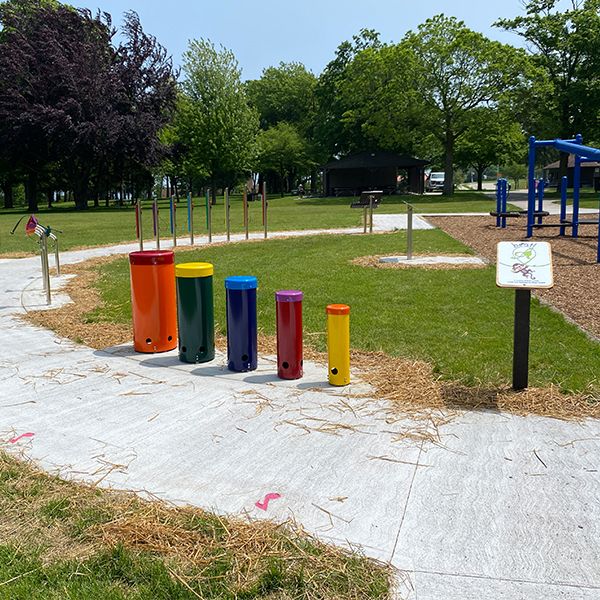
column 102, row 226
column 587, row 197
column 65, row 541
column 456, row 319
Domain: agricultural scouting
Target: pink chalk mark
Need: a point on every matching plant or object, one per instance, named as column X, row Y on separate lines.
column 265, row 503
column 23, row 435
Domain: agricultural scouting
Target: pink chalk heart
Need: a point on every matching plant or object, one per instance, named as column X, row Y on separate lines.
column 23, row 435
column 265, row 503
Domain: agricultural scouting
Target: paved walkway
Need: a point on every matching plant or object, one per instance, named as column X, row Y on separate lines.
column 503, row 507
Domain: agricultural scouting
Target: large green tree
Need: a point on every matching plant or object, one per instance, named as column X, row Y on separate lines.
column 284, row 152
column 332, row 133
column 566, row 45
column 214, row 122
column 284, row 94
column 492, row 138
column 456, row 71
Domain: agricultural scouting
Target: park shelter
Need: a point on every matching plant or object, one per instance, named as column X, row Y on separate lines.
column 376, row 170
column 590, row 173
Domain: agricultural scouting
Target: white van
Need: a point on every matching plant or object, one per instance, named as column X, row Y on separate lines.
column 435, row 182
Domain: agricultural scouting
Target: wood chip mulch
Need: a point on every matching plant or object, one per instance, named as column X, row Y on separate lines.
column 576, row 273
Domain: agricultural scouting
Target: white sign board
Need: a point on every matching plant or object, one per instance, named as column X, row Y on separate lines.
column 524, row 265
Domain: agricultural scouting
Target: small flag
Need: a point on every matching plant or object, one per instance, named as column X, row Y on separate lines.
column 31, row 225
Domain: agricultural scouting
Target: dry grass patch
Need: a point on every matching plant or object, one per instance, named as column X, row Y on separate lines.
column 73, row 522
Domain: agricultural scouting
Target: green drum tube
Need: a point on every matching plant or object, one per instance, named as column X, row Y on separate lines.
column 195, row 312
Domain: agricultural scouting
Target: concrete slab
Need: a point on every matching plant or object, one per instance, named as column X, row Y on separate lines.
column 503, row 507
column 433, row 260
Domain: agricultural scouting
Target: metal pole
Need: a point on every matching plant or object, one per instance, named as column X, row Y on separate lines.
column 498, row 202
column 46, row 268
column 531, row 187
column 521, row 339
column 56, row 257
column 191, row 217
column 209, row 216
column 265, row 207
column 138, row 223
column 563, row 203
column 174, row 213
column 227, row 218
column 576, row 187
column 245, row 201
column 365, row 219
column 409, row 233
column 156, row 223
column 371, row 213
column 503, row 199
column 540, row 200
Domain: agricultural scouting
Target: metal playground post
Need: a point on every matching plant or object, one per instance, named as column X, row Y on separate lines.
column 190, row 216
column 245, row 202
column 138, row 224
column 264, row 207
column 173, row 220
column 156, row 223
column 227, row 218
column 409, row 230
column 209, row 216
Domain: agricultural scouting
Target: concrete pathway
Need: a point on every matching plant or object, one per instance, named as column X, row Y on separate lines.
column 502, row 507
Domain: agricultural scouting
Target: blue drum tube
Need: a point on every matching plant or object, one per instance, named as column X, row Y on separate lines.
column 242, row 345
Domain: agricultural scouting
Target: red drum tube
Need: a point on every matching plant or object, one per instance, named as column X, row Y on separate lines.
column 288, row 304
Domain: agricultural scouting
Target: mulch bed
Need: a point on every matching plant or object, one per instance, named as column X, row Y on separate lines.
column 576, row 273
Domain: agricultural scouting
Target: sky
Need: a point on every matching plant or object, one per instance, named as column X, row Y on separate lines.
column 262, row 33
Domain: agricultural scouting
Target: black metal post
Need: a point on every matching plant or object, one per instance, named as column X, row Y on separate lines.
column 521, row 339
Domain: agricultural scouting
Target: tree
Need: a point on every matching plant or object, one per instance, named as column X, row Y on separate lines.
column 491, row 138
column 214, row 120
column 332, row 133
column 72, row 102
column 284, row 152
column 515, row 171
column 566, row 45
column 284, row 94
column 455, row 71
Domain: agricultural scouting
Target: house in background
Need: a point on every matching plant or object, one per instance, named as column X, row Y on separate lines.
column 590, row 173
column 378, row 170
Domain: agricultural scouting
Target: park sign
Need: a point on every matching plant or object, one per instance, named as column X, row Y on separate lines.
column 524, row 265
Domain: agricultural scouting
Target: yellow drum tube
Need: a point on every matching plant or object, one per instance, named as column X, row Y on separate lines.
column 338, row 343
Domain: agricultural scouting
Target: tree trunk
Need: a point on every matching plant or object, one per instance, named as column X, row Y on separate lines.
column 31, row 192
column 50, row 198
column 449, row 165
column 563, row 169
column 480, row 169
column 7, row 191
column 80, row 194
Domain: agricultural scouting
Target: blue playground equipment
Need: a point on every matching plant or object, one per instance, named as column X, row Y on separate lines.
column 535, row 197
column 501, row 213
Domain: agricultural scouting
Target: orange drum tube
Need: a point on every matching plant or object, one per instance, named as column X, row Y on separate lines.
column 153, row 300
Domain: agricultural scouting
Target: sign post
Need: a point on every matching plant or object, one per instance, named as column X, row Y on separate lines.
column 523, row 266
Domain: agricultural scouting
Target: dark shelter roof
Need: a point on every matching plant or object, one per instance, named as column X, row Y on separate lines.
column 556, row 164
column 375, row 160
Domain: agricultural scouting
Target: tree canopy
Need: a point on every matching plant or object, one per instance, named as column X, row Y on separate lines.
column 214, row 122
column 71, row 101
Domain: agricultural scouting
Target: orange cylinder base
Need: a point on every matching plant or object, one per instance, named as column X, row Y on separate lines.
column 153, row 304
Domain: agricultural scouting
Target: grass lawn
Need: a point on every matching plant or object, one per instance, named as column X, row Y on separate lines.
column 587, row 197
column 456, row 319
column 63, row 540
column 101, row 226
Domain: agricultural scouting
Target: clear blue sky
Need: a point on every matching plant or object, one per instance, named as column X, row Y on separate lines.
column 264, row 32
